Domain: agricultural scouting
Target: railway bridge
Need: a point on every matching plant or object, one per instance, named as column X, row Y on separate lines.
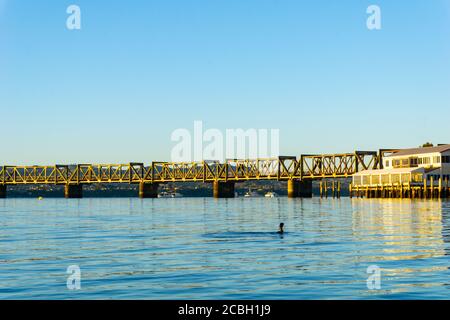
column 299, row 172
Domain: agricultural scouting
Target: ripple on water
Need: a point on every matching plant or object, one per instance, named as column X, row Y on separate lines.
column 198, row 248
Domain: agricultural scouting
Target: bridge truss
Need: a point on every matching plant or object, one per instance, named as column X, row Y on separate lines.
column 306, row 167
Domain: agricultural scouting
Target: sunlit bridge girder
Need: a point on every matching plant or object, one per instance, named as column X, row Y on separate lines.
column 280, row 169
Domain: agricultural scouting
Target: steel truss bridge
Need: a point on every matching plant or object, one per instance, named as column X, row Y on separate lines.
column 306, row 167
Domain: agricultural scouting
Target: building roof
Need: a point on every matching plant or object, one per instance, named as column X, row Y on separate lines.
column 407, row 152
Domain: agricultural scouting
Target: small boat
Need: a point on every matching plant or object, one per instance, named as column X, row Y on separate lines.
column 271, row 194
column 252, row 194
column 165, row 194
column 176, row 195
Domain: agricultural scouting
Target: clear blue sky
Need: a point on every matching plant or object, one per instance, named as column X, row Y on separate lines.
column 137, row 70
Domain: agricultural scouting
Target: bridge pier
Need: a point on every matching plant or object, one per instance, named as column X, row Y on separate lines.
column 223, row 189
column 73, row 191
column 2, row 191
column 299, row 188
column 148, row 190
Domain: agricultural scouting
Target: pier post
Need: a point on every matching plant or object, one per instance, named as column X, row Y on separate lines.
column 333, row 189
column 2, row 191
column 300, row 188
column 223, row 189
column 148, row 190
column 350, row 191
column 446, row 187
column 425, row 189
column 339, row 189
column 321, row 188
column 432, row 187
column 73, row 191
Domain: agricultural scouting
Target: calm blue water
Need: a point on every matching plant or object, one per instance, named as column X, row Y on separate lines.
column 197, row 248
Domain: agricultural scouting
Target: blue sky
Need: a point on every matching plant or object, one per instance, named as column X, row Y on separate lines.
column 137, row 70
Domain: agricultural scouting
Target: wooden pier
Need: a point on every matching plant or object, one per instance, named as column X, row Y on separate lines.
column 330, row 188
column 426, row 190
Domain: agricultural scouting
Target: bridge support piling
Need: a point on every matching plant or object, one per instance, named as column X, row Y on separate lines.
column 223, row 189
column 148, row 190
column 73, row 191
column 321, row 188
column 2, row 191
column 333, row 188
column 338, row 189
column 299, row 188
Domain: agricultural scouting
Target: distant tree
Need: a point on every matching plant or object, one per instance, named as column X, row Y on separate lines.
column 427, row 144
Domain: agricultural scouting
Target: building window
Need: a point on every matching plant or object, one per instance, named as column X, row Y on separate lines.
column 405, row 178
column 356, row 180
column 366, row 180
column 417, row 177
column 395, row 178
column 396, row 163
column 375, row 179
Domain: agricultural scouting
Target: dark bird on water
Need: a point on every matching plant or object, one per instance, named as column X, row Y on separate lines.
column 281, row 230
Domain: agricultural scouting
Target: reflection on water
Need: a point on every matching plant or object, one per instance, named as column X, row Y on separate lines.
column 410, row 230
column 227, row 248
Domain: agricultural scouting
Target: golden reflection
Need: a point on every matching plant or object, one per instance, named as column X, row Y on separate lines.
column 403, row 229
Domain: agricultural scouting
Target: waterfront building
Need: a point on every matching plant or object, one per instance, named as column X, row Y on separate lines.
column 408, row 172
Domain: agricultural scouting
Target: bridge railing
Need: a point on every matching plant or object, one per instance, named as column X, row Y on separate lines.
column 176, row 171
column 72, row 174
column 337, row 165
column 281, row 168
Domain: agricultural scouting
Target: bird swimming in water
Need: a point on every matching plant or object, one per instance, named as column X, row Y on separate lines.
column 281, row 230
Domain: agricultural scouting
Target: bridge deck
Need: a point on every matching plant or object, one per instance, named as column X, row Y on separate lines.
column 281, row 169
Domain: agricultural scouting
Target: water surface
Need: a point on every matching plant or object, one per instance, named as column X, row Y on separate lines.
column 204, row 248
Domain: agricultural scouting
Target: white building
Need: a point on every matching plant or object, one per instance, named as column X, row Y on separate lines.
column 418, row 166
